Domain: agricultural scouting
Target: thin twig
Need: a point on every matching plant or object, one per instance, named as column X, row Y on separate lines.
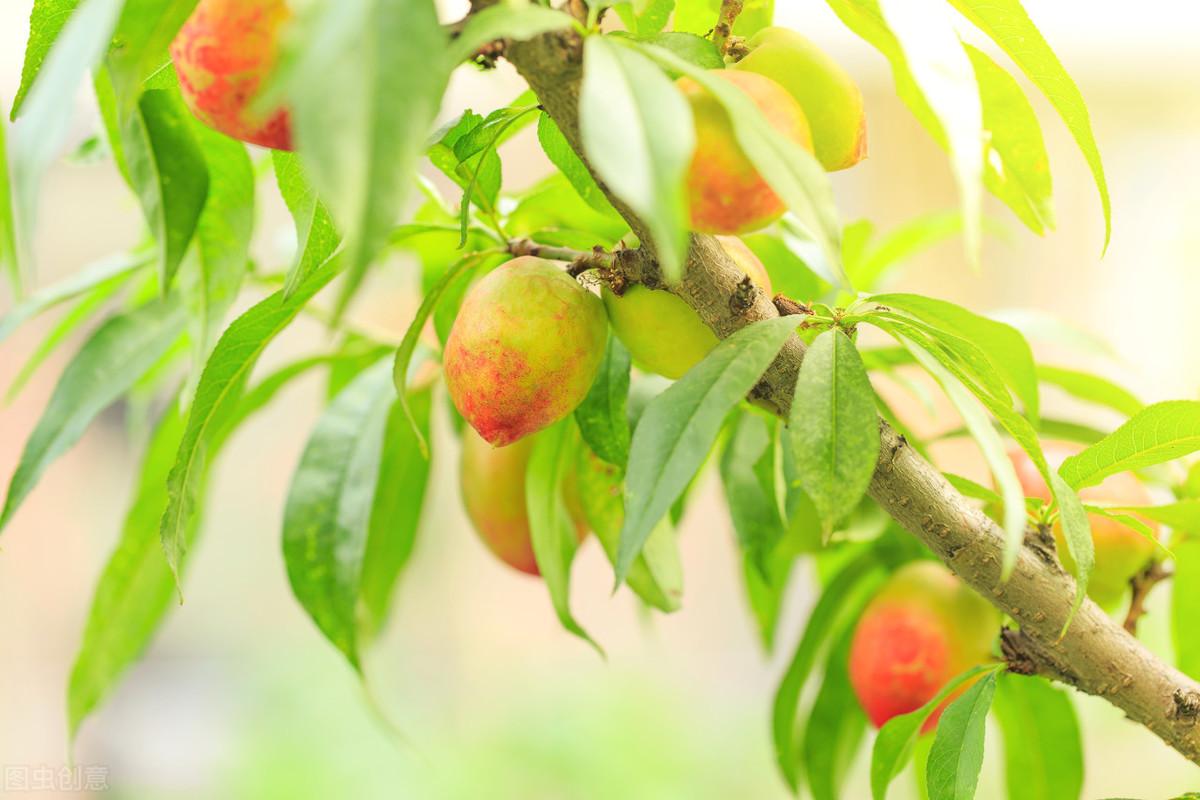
column 723, row 30
column 579, row 261
column 1142, row 583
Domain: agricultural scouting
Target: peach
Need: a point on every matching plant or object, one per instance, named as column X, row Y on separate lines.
column 726, row 193
column 832, row 101
column 493, row 490
column 923, row 628
column 524, row 349
column 663, row 333
column 223, row 54
column 1121, row 551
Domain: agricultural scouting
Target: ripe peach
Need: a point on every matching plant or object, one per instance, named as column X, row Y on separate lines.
column 223, row 54
column 663, row 333
column 725, row 192
column 831, row 99
column 524, row 349
column 923, row 628
column 493, row 490
column 1121, row 552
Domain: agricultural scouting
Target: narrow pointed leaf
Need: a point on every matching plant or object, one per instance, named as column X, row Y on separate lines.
column 1161, row 432
column 505, row 21
column 678, row 428
column 638, row 135
column 1043, row 753
column 327, row 516
column 46, row 22
column 834, row 427
column 550, row 527
column 952, row 772
column 107, row 365
column 601, row 416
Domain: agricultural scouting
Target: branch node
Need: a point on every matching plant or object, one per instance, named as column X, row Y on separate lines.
column 788, row 307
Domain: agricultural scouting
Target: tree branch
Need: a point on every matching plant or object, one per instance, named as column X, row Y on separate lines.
column 723, row 30
column 1095, row 654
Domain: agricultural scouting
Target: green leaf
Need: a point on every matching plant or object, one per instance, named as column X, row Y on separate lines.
column 487, row 155
column 644, row 17
column 327, row 516
column 969, row 488
column 45, row 117
column 1043, row 754
column 690, row 47
column 957, row 753
column 638, row 135
column 396, row 511
column 168, row 173
column 222, row 233
column 550, row 527
column 748, row 475
column 1008, row 24
column 408, row 344
column 107, row 365
column 1185, row 605
column 789, row 273
column 362, row 107
column 868, row 268
column 10, row 263
column 992, row 448
column 1182, row 516
column 139, row 44
column 46, row 21
column 840, row 602
column 1003, row 345
column 563, row 156
column 699, row 16
column 793, row 172
column 90, row 305
column 316, row 238
column 1091, row 388
column 601, row 416
column 896, row 738
column 81, row 283
column 1017, row 168
column 678, row 428
column 935, row 58
column 835, row 726
column 135, row 590
column 505, row 21
column 834, row 427
column 1158, row 433
column 217, row 394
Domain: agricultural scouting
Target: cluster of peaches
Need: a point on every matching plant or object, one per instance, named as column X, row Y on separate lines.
column 529, row 339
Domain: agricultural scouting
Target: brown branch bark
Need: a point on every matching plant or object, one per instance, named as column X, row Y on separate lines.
column 1095, row 655
column 723, row 30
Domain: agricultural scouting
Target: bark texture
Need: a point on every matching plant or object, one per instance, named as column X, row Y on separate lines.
column 1096, row 655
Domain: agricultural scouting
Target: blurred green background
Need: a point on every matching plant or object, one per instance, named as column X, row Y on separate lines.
column 241, row 697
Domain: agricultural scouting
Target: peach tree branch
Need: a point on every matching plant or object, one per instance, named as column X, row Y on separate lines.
column 1095, row 654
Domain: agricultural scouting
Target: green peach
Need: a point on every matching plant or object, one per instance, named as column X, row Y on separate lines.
column 663, row 333
column 726, row 194
column 524, row 349
column 923, row 628
column 831, row 99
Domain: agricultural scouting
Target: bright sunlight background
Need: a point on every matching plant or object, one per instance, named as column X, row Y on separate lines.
column 240, row 697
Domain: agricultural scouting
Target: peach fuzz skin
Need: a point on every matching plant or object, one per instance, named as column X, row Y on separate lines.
column 223, row 55
column 726, row 194
column 524, row 349
column 922, row 629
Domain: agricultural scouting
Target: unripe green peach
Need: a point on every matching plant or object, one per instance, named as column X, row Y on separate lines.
column 663, row 333
column 493, row 490
column 726, row 194
column 223, row 54
column 1121, row 551
column 831, row 99
column 923, row 628
column 524, row 349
